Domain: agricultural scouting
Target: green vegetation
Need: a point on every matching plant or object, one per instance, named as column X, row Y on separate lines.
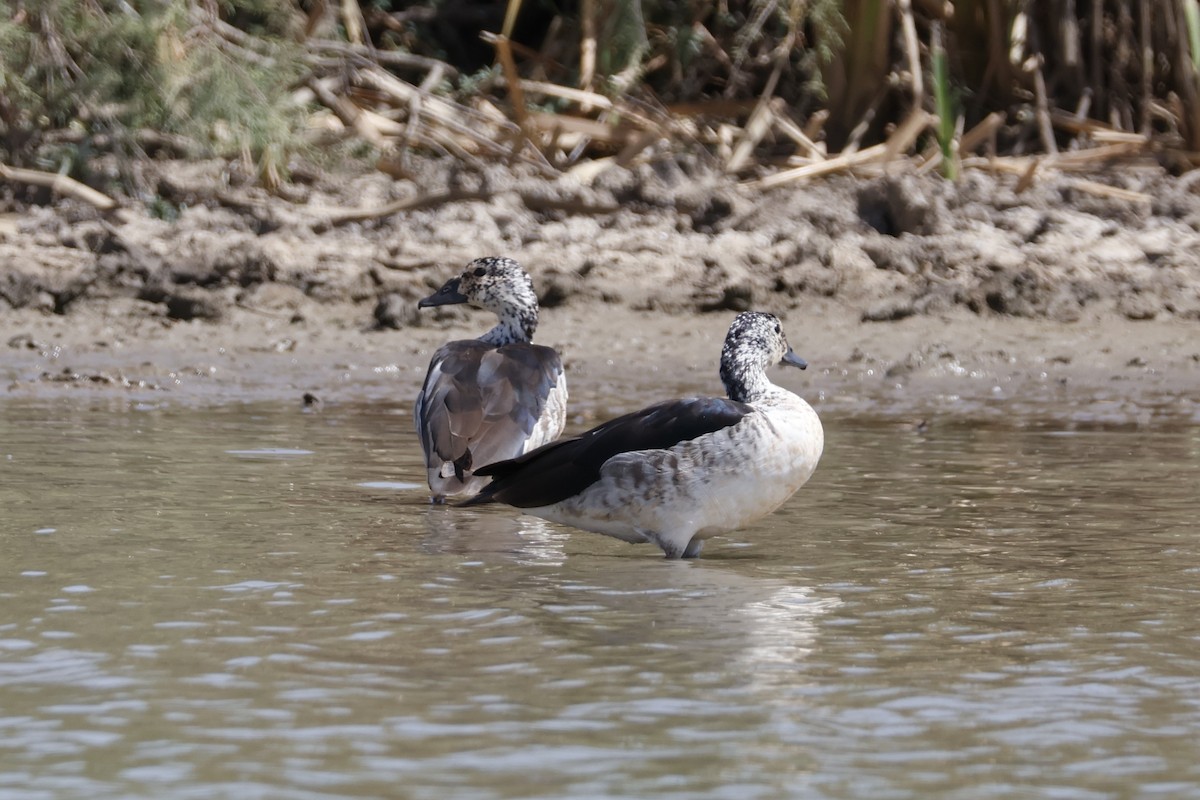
column 762, row 84
column 80, row 78
column 943, row 104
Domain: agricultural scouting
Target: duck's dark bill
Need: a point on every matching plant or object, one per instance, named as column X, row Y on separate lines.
column 446, row 296
column 794, row 360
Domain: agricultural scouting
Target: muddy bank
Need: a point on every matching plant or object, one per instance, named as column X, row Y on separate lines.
column 923, row 370
column 912, row 297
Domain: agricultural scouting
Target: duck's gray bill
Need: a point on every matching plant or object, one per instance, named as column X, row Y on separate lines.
column 446, row 296
column 791, row 359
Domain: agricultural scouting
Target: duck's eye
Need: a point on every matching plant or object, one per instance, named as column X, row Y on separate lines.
column 480, row 272
column 777, row 328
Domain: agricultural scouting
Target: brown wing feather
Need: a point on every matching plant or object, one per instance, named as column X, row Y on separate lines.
column 450, row 406
column 514, row 382
column 483, row 400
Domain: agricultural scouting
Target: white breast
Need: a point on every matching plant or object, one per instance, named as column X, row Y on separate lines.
column 715, row 483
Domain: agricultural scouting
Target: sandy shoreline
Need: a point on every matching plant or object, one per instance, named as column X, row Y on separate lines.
column 956, row 367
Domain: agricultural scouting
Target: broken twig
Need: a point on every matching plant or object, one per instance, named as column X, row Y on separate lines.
column 59, row 184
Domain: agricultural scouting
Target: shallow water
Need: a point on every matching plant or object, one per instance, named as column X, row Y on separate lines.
column 256, row 602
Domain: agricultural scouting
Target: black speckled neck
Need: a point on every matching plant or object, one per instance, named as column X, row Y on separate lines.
column 518, row 322
column 752, row 344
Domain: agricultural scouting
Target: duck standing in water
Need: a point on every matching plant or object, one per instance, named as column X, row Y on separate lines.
column 490, row 398
column 679, row 471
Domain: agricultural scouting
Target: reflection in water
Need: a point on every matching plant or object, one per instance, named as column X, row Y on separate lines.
column 526, row 540
column 952, row 612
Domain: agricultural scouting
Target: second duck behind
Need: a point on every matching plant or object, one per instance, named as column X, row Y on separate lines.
column 490, row 398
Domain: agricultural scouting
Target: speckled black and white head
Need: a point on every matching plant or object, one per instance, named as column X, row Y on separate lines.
column 755, row 341
column 498, row 285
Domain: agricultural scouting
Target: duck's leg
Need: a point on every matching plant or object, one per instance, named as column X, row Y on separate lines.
column 677, row 546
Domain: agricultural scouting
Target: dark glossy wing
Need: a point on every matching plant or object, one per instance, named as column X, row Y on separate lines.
column 484, row 400
column 566, row 467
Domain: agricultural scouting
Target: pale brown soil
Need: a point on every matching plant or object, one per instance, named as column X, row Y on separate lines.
column 913, row 299
column 921, row 370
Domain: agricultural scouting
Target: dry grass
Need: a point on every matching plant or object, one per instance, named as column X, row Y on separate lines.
column 774, row 91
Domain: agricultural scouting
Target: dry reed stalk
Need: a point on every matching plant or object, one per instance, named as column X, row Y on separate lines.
column 756, row 128
column 722, row 139
column 1042, row 110
column 984, row 131
column 931, row 159
column 1096, row 131
column 580, row 96
column 1103, row 136
column 460, row 147
column 816, row 124
column 510, row 18
column 761, row 119
column 627, row 111
column 432, row 78
column 412, row 130
column 59, row 184
column 1009, row 165
column 512, row 77
column 908, row 26
column 488, row 111
column 900, row 141
column 903, row 137
column 1087, row 159
column 350, row 115
column 582, row 126
column 353, row 22
column 483, row 132
column 321, row 52
column 793, row 161
column 382, row 124
column 1147, row 65
column 335, row 217
column 587, row 45
column 791, row 130
column 1026, row 178
column 1115, row 192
